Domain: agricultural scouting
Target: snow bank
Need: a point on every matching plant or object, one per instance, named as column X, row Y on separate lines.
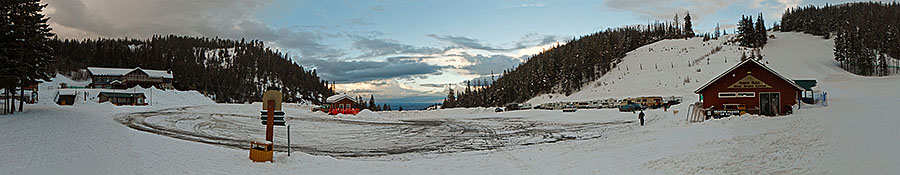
column 48, row 91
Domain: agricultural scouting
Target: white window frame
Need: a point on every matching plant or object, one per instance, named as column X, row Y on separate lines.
column 746, row 94
column 737, row 94
column 732, row 94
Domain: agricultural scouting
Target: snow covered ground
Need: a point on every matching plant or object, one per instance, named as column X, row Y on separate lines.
column 187, row 134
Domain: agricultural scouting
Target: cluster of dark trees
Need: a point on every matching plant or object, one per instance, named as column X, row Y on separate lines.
column 24, row 53
column 566, row 68
column 235, row 71
column 361, row 104
column 751, row 34
column 476, row 94
column 867, row 34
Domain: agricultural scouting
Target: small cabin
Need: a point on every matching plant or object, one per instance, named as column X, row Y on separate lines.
column 65, row 97
column 341, row 104
column 750, row 87
column 123, row 98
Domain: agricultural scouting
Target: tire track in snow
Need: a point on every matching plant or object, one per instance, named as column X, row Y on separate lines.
column 346, row 138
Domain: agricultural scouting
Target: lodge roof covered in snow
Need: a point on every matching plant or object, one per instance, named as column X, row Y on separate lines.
column 338, row 97
column 123, row 71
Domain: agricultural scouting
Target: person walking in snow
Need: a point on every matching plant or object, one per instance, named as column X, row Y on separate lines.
column 641, row 117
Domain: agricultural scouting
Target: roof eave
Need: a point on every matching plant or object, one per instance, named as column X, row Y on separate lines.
column 796, row 87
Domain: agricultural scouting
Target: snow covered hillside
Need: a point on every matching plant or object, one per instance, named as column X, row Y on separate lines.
column 678, row 67
column 855, row 134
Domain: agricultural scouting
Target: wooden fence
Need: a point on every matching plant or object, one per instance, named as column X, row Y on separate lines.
column 696, row 113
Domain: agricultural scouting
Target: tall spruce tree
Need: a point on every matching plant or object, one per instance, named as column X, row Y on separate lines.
column 742, row 32
column 24, row 51
column 450, row 101
column 717, row 33
column 688, row 30
column 761, row 36
column 372, row 106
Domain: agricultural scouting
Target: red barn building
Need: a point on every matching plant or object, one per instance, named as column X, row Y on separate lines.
column 341, row 104
column 752, row 87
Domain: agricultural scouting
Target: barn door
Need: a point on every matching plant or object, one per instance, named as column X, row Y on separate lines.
column 769, row 103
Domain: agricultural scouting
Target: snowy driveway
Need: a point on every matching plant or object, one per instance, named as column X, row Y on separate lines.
column 337, row 137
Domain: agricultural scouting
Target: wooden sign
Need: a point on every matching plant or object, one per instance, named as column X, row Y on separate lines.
column 272, row 95
column 749, row 82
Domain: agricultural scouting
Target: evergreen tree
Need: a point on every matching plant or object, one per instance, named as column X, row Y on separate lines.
column 24, row 51
column 676, row 29
column 743, row 32
column 717, row 33
column 688, row 30
column 761, row 36
column 751, row 34
column 372, row 105
column 450, row 101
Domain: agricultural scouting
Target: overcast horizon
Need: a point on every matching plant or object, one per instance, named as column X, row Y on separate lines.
column 399, row 51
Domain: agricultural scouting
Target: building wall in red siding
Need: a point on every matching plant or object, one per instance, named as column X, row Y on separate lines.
column 346, row 102
column 711, row 98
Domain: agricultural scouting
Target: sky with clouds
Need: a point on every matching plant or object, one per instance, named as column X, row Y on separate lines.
column 400, row 51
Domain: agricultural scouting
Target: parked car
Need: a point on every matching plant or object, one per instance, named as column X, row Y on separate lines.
column 498, row 109
column 631, row 107
column 570, row 108
column 583, row 105
column 525, row 106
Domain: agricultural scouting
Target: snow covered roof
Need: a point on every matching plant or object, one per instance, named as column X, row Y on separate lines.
column 745, row 62
column 122, row 72
column 66, row 92
column 157, row 73
column 338, row 97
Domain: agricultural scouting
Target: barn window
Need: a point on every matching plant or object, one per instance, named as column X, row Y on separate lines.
column 746, row 94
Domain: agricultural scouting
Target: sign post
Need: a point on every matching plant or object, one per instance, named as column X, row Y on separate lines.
column 289, row 139
column 261, row 151
column 270, row 119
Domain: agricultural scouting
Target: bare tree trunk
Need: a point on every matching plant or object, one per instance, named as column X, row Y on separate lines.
column 22, row 97
column 12, row 104
column 6, row 106
column 6, row 98
column 5, row 103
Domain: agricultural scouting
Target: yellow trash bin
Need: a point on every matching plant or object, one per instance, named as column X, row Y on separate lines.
column 261, row 151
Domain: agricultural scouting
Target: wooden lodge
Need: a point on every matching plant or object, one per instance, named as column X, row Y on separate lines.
column 749, row 87
column 120, row 78
column 121, row 98
column 341, row 104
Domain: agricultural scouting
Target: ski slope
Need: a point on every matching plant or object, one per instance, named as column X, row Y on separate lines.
column 855, row 134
